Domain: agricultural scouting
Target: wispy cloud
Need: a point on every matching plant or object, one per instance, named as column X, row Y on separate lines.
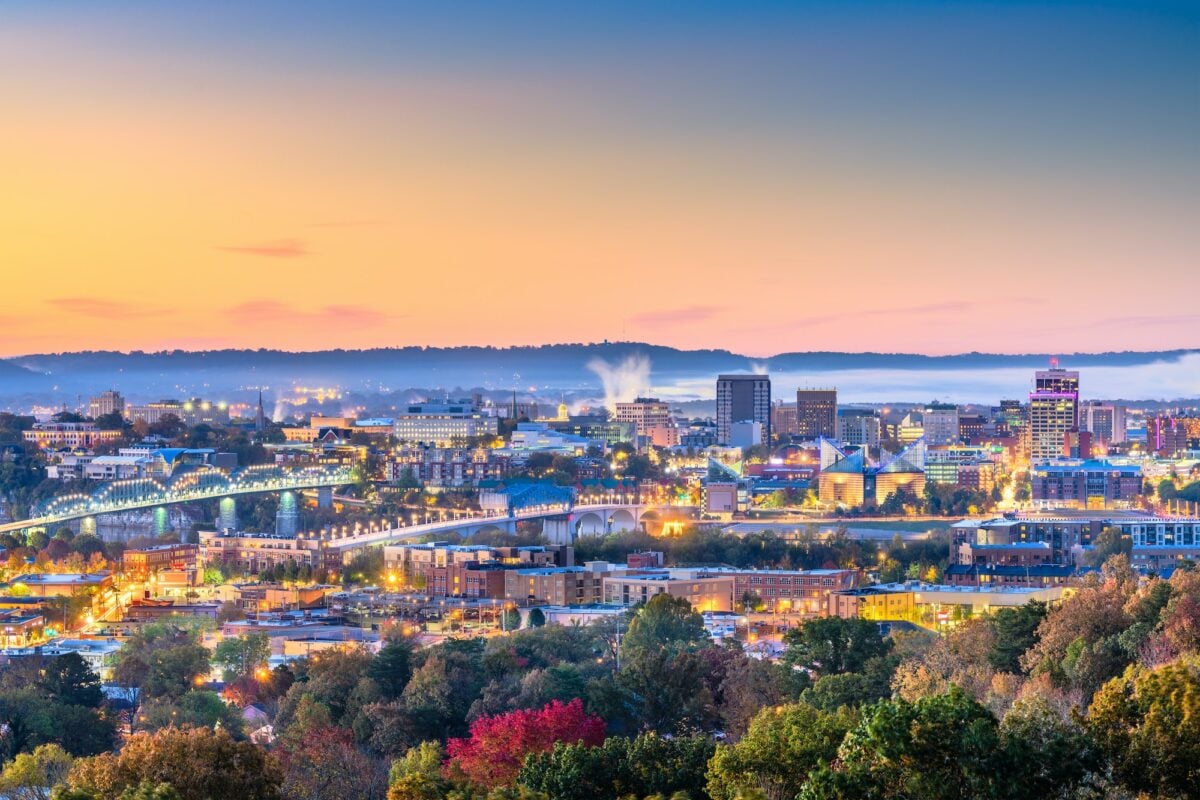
column 346, row 223
column 276, row 313
column 100, row 308
column 280, row 248
column 675, row 316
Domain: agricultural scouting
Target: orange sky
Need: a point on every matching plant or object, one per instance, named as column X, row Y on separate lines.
column 169, row 190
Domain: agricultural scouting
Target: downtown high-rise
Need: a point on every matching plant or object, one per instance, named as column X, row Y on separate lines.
column 1053, row 412
column 743, row 398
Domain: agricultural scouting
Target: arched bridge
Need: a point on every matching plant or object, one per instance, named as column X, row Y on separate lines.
column 562, row 523
column 201, row 483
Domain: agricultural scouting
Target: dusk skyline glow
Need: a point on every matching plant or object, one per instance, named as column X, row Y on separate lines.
column 771, row 177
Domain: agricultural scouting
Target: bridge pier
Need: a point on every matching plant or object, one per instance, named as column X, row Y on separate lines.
column 324, row 497
column 227, row 519
column 287, row 518
column 558, row 530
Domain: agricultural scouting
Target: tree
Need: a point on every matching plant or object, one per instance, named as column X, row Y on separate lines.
column 497, row 746
column 198, row 708
column 242, row 655
column 1147, row 723
column 664, row 623
column 1110, row 542
column 326, row 763
column 667, row 692
column 939, row 748
column 200, row 764
column 391, row 669
column 418, row 774
column 161, row 660
column 648, row 765
column 782, row 746
column 536, row 618
column 68, row 679
column 833, row 645
column 1015, row 632
column 1048, row 752
column 31, row 776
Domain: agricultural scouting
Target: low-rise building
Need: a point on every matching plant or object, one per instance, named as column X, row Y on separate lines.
column 934, row 605
column 562, row 586
column 143, row 562
column 70, row 435
column 704, row 589
column 1085, row 483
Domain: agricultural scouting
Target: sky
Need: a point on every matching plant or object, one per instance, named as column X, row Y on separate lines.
column 933, row 177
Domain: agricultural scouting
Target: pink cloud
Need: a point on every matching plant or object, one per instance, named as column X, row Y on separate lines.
column 100, row 308
column 273, row 312
column 281, row 248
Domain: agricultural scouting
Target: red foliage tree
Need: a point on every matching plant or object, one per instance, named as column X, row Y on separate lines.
column 493, row 754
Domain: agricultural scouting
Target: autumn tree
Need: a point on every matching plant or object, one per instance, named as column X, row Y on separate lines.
column 326, row 762
column 198, row 763
column 31, row 776
column 497, row 746
column 1147, row 722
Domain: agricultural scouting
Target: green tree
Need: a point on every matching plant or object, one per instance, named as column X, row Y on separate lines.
column 664, row 623
column 640, row 767
column 945, row 747
column 1048, row 754
column 391, row 669
column 1015, row 632
column 782, row 746
column 242, row 655
column 197, row 708
column 536, row 618
column 833, row 645
column 68, row 679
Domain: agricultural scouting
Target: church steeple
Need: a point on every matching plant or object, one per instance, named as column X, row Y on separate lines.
column 260, row 419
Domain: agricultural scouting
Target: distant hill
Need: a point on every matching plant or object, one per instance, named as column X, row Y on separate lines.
column 549, row 367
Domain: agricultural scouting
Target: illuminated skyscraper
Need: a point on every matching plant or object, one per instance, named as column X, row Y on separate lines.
column 816, row 413
column 1053, row 411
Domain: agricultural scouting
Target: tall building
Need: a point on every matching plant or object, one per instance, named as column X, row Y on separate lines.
column 743, row 398
column 107, row 402
column 783, row 420
column 940, row 421
column 858, row 427
column 816, row 413
column 1104, row 421
column 651, row 419
column 1053, row 412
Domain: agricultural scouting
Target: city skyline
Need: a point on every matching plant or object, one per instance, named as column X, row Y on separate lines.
column 910, row 177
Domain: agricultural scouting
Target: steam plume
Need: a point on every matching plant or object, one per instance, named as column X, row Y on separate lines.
column 624, row 381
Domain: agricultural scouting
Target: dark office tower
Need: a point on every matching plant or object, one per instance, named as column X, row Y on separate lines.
column 816, row 413
column 743, row 398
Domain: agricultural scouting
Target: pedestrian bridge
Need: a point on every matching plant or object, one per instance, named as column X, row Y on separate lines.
column 201, row 483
